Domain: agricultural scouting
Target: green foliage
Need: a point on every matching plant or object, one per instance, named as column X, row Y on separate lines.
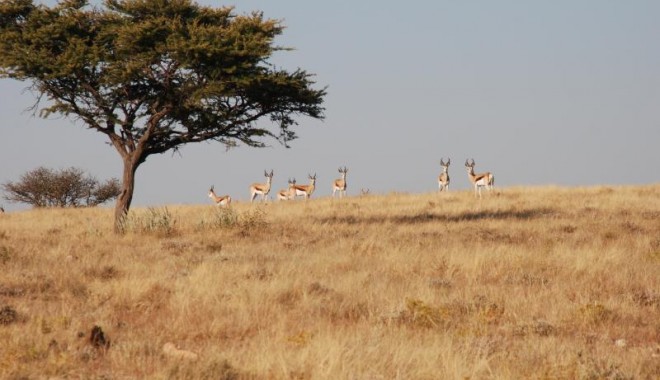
column 43, row 187
column 191, row 73
column 155, row 75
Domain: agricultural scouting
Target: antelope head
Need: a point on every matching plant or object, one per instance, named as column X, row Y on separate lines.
column 445, row 165
column 469, row 164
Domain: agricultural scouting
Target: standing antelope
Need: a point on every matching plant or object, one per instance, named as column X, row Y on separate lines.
column 224, row 200
column 306, row 190
column 289, row 193
column 486, row 180
column 340, row 184
column 443, row 178
column 261, row 188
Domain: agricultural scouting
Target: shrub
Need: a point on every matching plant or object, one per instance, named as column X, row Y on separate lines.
column 229, row 218
column 595, row 313
column 43, row 187
column 153, row 221
column 421, row 314
column 253, row 219
column 221, row 217
column 5, row 255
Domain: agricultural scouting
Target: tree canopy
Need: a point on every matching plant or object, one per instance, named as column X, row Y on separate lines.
column 153, row 75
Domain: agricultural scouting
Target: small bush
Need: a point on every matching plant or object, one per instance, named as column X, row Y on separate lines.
column 217, row 370
column 421, row 314
column 591, row 368
column 229, row 218
column 5, row 255
column 543, row 328
column 595, row 313
column 104, row 273
column 8, row 315
column 301, row 339
column 640, row 297
column 254, row 218
column 154, row 220
column 221, row 217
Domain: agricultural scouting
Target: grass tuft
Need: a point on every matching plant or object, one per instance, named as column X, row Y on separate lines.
column 153, row 220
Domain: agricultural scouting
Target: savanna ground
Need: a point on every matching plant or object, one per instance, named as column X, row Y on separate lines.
column 534, row 283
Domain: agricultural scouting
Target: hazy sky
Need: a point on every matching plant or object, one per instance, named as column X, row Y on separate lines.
column 537, row 92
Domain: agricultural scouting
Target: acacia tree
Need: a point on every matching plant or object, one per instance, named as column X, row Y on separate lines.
column 153, row 75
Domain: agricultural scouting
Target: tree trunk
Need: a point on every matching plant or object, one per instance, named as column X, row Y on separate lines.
column 126, row 196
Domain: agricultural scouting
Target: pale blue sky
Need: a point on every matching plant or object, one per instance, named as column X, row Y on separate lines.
column 538, row 92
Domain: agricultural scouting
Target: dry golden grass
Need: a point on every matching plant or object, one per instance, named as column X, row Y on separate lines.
column 538, row 283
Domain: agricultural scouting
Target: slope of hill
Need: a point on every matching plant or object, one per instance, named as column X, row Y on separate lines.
column 542, row 282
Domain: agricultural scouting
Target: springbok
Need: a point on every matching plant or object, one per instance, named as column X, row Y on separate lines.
column 306, row 190
column 480, row 180
column 339, row 185
column 364, row 191
column 288, row 193
column 224, row 200
column 443, row 178
column 261, row 188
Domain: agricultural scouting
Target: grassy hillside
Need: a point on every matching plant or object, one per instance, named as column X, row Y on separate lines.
column 542, row 283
